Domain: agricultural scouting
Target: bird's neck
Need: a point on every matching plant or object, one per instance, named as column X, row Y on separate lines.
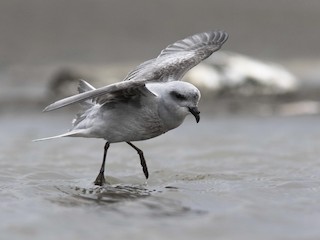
column 168, row 111
column 171, row 116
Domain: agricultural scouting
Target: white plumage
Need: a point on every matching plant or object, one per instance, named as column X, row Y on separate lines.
column 149, row 102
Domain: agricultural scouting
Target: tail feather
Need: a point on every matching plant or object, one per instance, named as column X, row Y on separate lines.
column 81, row 115
column 75, row 133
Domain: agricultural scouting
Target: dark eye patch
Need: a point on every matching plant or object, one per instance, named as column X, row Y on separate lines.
column 178, row 95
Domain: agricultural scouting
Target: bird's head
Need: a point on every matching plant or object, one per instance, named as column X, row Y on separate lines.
column 184, row 98
column 178, row 99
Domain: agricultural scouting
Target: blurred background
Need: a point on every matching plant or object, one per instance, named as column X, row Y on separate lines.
column 249, row 170
column 44, row 42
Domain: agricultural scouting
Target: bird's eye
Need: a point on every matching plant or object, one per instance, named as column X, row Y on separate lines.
column 178, row 95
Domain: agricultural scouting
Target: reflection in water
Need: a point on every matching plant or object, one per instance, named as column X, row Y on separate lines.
column 107, row 193
column 109, row 196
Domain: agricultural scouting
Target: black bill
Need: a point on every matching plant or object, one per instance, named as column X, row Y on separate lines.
column 195, row 112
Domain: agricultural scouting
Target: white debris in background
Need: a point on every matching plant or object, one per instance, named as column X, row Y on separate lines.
column 242, row 74
column 205, row 76
column 223, row 72
column 299, row 108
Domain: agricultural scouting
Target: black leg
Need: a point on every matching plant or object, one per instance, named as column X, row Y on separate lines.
column 142, row 160
column 100, row 180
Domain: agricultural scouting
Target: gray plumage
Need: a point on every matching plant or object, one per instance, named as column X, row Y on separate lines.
column 172, row 63
column 150, row 101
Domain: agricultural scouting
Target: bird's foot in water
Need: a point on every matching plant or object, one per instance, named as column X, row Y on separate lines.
column 100, row 180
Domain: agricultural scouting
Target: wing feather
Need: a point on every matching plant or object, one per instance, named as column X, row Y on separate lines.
column 176, row 59
column 172, row 63
column 121, row 91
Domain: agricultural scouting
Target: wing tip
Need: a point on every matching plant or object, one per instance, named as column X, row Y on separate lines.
column 224, row 36
column 218, row 36
column 45, row 109
column 49, row 108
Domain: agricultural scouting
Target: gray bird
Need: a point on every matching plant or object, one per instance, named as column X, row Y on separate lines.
column 149, row 102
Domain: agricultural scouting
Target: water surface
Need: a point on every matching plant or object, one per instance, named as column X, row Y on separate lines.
column 228, row 177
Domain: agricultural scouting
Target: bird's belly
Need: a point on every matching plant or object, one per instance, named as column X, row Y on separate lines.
column 121, row 126
column 126, row 132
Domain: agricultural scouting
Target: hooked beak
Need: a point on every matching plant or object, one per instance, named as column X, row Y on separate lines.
column 195, row 112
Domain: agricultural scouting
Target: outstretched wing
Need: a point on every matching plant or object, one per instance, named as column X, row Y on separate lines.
column 176, row 59
column 172, row 63
column 118, row 92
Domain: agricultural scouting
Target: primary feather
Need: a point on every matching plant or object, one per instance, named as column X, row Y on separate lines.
column 178, row 58
column 171, row 65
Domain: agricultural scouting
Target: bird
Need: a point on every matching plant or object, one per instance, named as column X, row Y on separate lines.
column 150, row 101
